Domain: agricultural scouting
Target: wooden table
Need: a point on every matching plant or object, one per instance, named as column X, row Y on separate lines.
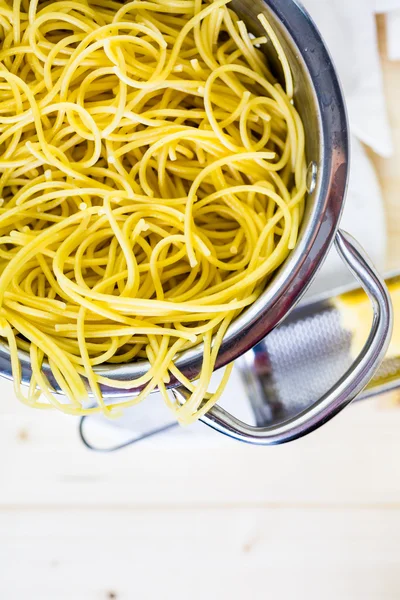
column 317, row 519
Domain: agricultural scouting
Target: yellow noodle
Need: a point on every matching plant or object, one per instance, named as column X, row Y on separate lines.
column 152, row 178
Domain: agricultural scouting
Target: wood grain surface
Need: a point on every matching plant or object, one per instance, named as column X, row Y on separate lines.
column 318, row 519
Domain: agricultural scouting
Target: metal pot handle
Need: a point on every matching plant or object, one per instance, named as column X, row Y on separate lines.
column 352, row 382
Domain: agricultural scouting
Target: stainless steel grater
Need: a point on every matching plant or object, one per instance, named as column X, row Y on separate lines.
column 302, row 358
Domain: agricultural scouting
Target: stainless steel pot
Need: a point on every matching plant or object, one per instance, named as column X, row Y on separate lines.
column 320, row 102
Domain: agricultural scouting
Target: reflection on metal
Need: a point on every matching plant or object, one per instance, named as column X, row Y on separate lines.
column 302, row 374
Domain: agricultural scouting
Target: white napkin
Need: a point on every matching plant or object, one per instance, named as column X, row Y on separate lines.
column 349, row 29
column 392, row 8
column 385, row 6
column 363, row 217
column 393, row 31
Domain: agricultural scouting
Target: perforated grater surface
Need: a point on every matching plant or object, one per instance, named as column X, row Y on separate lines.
column 302, row 358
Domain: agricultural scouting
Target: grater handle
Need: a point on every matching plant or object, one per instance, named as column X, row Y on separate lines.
column 349, row 386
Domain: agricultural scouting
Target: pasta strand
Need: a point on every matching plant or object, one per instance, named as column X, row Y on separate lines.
column 152, row 179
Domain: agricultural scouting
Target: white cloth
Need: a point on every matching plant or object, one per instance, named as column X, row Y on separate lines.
column 384, row 6
column 393, row 31
column 363, row 217
column 392, row 8
column 349, row 29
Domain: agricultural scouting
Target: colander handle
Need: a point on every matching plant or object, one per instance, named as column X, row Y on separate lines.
column 349, row 386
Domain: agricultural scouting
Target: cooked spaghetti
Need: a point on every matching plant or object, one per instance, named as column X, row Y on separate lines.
column 152, row 179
